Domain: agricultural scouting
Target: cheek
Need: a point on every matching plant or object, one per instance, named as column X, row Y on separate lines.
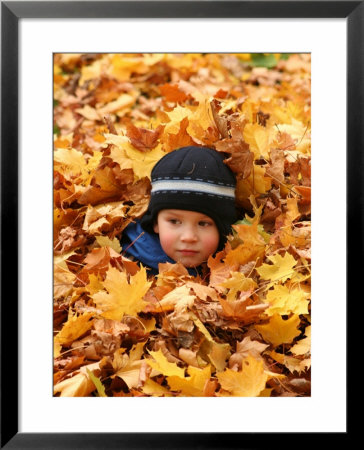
column 167, row 240
column 211, row 242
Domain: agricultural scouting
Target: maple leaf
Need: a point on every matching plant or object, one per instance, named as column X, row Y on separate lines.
column 179, row 299
column 192, row 386
column 203, row 292
column 258, row 139
column 75, row 327
column 246, row 383
column 243, row 349
column 143, row 139
column 299, row 133
column 105, row 185
column 238, row 282
column 153, row 388
column 176, row 116
column 216, row 352
column 172, row 93
column 279, row 331
column 128, row 367
column 284, row 301
column 122, row 297
column 276, row 169
column 130, row 158
column 219, row 270
column 252, row 248
column 63, row 280
column 242, row 310
column 171, row 141
column 293, row 364
column 280, row 270
column 221, row 122
column 79, row 385
column 105, row 241
column 241, row 162
column 303, row 346
column 102, row 217
column 256, row 183
column 162, row 365
column 73, row 165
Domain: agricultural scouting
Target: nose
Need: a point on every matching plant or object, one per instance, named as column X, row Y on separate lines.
column 188, row 234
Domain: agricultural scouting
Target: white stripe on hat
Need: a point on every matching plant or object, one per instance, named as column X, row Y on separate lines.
column 193, row 186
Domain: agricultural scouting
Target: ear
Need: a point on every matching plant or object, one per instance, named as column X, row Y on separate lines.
column 155, row 227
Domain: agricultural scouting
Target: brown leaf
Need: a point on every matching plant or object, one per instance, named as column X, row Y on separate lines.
column 143, row 139
column 180, row 139
column 221, row 122
column 172, row 93
column 276, row 168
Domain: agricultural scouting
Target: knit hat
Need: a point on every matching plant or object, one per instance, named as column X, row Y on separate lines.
column 194, row 179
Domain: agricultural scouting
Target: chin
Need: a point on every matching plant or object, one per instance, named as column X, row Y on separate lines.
column 191, row 264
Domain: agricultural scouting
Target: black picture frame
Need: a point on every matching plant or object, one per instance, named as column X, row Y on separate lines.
column 11, row 12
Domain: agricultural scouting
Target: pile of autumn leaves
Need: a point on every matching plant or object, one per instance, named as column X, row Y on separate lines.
column 241, row 329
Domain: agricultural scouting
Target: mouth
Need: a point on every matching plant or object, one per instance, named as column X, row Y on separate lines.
column 187, row 252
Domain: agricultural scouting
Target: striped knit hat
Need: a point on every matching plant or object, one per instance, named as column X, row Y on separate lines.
column 193, row 179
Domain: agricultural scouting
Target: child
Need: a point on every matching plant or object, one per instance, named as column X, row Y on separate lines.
column 190, row 213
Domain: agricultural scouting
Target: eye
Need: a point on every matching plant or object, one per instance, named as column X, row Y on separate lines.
column 174, row 221
column 205, row 223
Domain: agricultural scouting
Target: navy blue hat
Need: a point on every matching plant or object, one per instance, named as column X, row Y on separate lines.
column 193, row 179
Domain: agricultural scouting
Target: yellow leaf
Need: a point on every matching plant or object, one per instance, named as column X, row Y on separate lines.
column 258, row 139
column 71, row 161
column 249, row 382
column 176, row 116
column 280, row 270
column 162, row 365
column 283, row 301
column 279, row 331
column 238, row 283
column 128, row 157
column 299, row 132
column 201, row 119
column 101, row 217
column 80, row 385
column 60, row 260
column 94, row 285
column 293, row 364
column 303, row 346
column 192, row 386
column 105, row 241
column 149, row 324
column 120, row 106
column 180, row 298
column 152, row 388
column 56, row 349
column 252, row 248
column 91, row 71
column 127, row 367
column 123, row 65
column 256, row 183
column 122, row 297
column 72, row 164
column 217, row 352
column 75, row 327
column 63, row 281
column 88, row 112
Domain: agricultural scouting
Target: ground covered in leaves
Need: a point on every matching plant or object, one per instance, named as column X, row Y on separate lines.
column 241, row 329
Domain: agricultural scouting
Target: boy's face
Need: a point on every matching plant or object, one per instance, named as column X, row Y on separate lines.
column 188, row 237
